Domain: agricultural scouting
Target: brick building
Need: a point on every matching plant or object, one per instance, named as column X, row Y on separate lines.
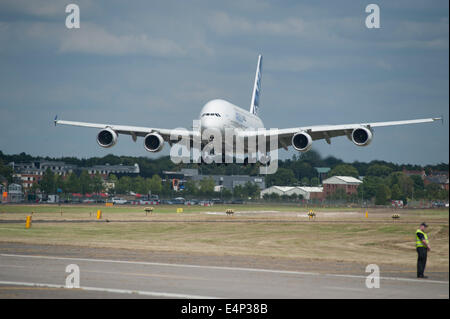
column 348, row 183
column 30, row 173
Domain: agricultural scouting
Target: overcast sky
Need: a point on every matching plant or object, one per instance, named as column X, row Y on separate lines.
column 156, row 63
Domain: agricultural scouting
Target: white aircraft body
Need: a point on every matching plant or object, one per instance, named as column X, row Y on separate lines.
column 223, row 116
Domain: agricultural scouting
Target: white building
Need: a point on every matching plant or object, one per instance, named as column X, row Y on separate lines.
column 113, row 169
column 306, row 191
column 348, row 183
column 15, row 193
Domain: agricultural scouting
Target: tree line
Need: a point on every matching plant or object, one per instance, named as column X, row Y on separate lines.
column 84, row 183
column 383, row 181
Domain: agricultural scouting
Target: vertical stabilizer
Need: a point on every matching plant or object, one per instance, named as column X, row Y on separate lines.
column 254, row 106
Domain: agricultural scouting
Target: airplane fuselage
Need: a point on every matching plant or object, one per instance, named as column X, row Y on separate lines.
column 221, row 115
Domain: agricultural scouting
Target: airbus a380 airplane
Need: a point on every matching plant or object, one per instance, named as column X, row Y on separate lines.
column 221, row 115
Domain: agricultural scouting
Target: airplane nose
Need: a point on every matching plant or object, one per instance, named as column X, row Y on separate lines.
column 211, row 123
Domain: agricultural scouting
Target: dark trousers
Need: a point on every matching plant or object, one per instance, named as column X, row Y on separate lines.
column 421, row 260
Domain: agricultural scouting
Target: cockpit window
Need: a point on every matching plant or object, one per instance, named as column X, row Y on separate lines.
column 211, row 114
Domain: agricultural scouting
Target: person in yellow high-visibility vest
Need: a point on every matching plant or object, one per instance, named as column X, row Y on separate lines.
column 422, row 247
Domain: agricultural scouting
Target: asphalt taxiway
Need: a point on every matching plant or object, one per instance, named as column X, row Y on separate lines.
column 35, row 274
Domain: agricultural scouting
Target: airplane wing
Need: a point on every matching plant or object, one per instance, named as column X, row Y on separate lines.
column 134, row 131
column 325, row 132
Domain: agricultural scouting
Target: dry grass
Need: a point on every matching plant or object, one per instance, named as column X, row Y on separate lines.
column 334, row 236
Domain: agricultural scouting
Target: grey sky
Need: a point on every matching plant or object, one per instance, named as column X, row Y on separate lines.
column 156, row 63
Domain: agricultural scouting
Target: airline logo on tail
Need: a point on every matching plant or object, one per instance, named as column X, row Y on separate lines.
column 256, row 88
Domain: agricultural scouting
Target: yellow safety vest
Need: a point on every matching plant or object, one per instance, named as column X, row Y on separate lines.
column 419, row 242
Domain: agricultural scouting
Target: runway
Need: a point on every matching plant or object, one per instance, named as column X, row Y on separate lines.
column 44, row 276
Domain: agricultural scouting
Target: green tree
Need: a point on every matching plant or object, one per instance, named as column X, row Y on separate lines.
column 443, row 195
column 191, row 188
column 405, row 183
column 85, row 183
column 226, row 193
column 382, row 195
column 124, row 185
column 139, row 185
column 368, row 188
column 302, row 169
column 418, row 182
column 207, row 186
column 34, row 188
column 315, row 181
column 72, row 184
column 432, row 191
column 396, row 193
column 312, row 157
column 155, row 184
column 6, row 171
column 272, row 197
column 97, row 183
column 331, row 161
column 47, row 183
column 113, row 178
column 379, row 170
column 166, row 189
column 60, row 183
column 239, row 192
column 305, row 181
column 418, row 186
column 282, row 177
column 251, row 190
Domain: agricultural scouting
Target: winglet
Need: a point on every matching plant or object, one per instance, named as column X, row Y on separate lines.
column 439, row 119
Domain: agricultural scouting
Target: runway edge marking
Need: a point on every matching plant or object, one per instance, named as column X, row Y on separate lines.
column 110, row 290
column 221, row 268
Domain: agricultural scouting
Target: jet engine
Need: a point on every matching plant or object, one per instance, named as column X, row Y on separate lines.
column 302, row 141
column 107, row 138
column 362, row 136
column 153, row 142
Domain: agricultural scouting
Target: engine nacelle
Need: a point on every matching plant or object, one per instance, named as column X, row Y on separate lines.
column 153, row 142
column 107, row 138
column 362, row 136
column 302, row 141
